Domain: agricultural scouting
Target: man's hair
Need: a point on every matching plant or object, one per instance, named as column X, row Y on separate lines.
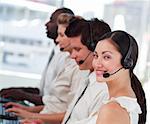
column 90, row 31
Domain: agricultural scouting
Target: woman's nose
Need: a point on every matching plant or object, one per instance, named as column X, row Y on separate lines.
column 98, row 62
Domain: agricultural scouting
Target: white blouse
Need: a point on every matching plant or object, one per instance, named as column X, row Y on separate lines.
column 130, row 104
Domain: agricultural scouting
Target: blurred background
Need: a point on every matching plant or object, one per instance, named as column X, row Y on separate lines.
column 24, row 47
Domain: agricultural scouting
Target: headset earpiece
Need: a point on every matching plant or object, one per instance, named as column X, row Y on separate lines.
column 90, row 41
column 127, row 62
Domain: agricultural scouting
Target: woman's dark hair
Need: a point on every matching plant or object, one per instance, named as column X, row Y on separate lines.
column 90, row 31
column 124, row 41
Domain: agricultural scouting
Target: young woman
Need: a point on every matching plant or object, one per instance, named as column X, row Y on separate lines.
column 115, row 57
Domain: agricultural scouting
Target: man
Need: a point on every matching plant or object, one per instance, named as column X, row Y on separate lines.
column 90, row 95
column 34, row 95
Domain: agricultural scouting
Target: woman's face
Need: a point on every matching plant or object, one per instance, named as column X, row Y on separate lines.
column 62, row 39
column 107, row 59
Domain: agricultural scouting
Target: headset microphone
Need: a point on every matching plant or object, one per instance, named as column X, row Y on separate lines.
column 106, row 75
column 62, row 49
column 82, row 61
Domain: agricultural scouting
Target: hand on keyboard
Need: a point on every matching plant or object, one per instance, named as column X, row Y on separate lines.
column 9, row 116
column 6, row 115
column 16, row 105
column 20, row 112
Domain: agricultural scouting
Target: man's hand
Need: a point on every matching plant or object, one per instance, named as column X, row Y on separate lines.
column 20, row 112
column 16, row 105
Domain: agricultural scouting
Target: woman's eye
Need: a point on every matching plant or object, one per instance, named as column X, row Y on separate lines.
column 107, row 57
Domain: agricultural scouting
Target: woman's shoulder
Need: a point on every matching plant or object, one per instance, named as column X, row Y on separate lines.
column 119, row 110
column 113, row 113
column 128, row 103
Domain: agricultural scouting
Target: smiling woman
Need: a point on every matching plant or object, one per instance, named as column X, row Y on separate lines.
column 116, row 53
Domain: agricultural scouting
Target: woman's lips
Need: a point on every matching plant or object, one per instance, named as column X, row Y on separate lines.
column 100, row 73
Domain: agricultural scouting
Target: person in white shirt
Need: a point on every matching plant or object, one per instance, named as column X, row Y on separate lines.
column 115, row 57
column 90, row 95
column 34, row 95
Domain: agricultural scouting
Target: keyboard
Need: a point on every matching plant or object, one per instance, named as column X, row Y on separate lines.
column 6, row 117
column 9, row 122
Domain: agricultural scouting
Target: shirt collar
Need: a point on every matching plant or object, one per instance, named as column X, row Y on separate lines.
column 92, row 78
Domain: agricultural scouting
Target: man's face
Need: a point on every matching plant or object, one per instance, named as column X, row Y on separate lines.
column 81, row 53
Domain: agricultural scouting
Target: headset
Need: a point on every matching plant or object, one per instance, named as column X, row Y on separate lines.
column 90, row 41
column 127, row 61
